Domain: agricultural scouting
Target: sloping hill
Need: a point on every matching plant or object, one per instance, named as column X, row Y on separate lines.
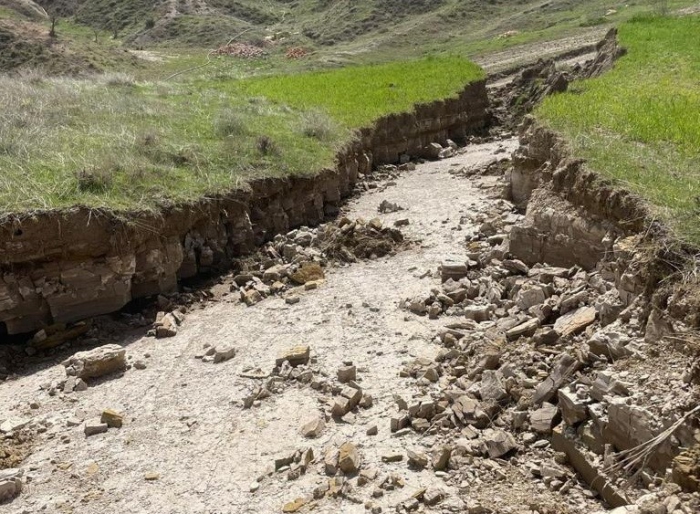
column 334, row 30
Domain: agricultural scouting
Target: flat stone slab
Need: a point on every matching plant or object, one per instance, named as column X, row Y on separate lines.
column 574, row 322
column 97, row 362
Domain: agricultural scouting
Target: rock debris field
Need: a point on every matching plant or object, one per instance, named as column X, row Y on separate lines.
column 396, row 360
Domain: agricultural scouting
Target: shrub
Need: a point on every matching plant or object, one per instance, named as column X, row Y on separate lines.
column 118, row 79
column 318, row 125
column 266, row 146
column 229, row 123
column 93, row 180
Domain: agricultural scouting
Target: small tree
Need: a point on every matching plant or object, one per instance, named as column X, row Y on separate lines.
column 54, row 20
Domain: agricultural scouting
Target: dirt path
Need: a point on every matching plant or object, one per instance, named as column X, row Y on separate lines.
column 184, row 418
column 529, row 53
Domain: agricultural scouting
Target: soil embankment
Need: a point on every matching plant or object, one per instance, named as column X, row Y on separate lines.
column 63, row 266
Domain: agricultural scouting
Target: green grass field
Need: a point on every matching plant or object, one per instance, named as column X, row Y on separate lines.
column 117, row 143
column 640, row 123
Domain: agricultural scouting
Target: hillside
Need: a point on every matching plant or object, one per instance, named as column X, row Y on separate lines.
column 98, row 34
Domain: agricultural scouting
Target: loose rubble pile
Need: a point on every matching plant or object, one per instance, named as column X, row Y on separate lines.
column 550, row 366
column 289, row 264
column 296, row 53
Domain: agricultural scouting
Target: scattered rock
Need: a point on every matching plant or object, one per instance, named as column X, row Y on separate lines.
column 165, row 325
column 499, row 443
column 251, row 297
column 295, row 356
column 11, row 425
column 574, row 322
column 491, row 386
column 10, row 484
column 543, row 419
column 56, row 335
column 308, row 272
column 347, row 374
column 441, row 458
column 112, row 418
column 387, row 206
column 433, row 496
column 348, row 458
column 98, row 362
column 224, row 352
column 573, row 409
column 526, row 329
column 313, row 427
column 417, row 459
column 294, row 506
column 330, row 462
column 392, row 457
column 95, row 426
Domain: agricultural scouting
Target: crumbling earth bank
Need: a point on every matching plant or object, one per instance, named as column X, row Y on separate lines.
column 458, row 375
column 64, row 266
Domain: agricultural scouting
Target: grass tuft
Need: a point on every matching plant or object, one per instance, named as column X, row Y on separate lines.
column 94, row 180
column 319, row 126
column 230, row 123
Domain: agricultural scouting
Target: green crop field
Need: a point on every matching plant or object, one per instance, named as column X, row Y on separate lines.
column 357, row 96
column 117, row 143
column 640, row 123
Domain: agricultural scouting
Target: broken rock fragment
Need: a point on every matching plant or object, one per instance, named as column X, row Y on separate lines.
column 224, row 352
column 492, row 387
column 417, row 459
column 543, row 419
column 95, row 363
column 441, row 458
column 526, row 329
column 251, row 296
column 348, row 458
column 10, row 483
column 346, row 374
column 308, row 272
column 313, row 427
column 95, row 426
column 566, row 366
column 112, row 418
column 498, row 443
column 165, row 325
column 573, row 409
column 330, row 462
column 574, row 322
column 295, row 356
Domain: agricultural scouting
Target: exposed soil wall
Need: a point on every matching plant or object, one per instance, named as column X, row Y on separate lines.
column 63, row 266
column 573, row 215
